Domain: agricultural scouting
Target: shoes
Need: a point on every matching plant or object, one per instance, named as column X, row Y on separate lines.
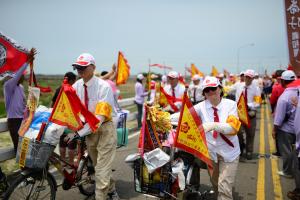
column 281, row 173
column 295, row 194
column 276, row 154
column 249, row 156
column 242, row 159
column 113, row 196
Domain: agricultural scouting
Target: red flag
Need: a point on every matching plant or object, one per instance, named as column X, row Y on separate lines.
column 161, row 66
column 12, row 56
column 165, row 99
column 67, row 109
column 148, row 139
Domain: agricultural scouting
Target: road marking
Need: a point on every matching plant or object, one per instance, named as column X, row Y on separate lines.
column 260, row 186
column 134, row 134
column 274, row 160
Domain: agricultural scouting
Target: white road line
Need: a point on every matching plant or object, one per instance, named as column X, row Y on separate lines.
column 134, row 134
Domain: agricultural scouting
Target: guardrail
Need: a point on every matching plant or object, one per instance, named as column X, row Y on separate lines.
column 8, row 152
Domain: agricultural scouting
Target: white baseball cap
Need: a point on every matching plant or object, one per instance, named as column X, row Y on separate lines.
column 210, row 81
column 288, row 75
column 196, row 77
column 173, row 74
column 250, row 73
column 140, row 76
column 220, row 75
column 84, row 59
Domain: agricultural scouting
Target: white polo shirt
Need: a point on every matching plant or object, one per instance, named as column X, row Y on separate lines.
column 218, row 146
column 98, row 91
column 178, row 90
column 195, row 92
column 252, row 92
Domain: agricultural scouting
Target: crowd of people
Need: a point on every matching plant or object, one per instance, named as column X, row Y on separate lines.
column 214, row 100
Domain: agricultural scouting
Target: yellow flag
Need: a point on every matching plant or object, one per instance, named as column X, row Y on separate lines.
column 214, row 71
column 195, row 70
column 242, row 111
column 64, row 113
column 190, row 135
column 123, row 71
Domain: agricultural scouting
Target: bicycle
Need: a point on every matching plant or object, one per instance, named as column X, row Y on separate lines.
column 41, row 184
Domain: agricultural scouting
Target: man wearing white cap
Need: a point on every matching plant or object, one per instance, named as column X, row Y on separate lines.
column 221, row 124
column 284, row 124
column 96, row 94
column 174, row 89
column 195, row 90
column 252, row 96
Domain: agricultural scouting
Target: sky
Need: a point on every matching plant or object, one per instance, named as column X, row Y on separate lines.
column 234, row 34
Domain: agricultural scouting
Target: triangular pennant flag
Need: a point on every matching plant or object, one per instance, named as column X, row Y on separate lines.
column 214, row 71
column 242, row 111
column 68, row 108
column 190, row 135
column 148, row 139
column 195, row 70
column 165, row 100
column 123, row 70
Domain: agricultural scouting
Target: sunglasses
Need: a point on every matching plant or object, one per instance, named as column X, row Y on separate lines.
column 208, row 89
column 79, row 68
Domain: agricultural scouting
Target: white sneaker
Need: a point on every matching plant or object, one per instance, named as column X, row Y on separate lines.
column 281, row 173
column 113, row 196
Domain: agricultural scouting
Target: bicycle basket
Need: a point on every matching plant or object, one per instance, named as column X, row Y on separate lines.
column 33, row 154
column 156, row 184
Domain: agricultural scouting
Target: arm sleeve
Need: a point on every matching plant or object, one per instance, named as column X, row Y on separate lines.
column 86, row 130
column 279, row 116
column 232, row 124
column 12, row 83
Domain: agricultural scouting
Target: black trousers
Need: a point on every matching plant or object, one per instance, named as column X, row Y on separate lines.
column 139, row 114
column 13, row 125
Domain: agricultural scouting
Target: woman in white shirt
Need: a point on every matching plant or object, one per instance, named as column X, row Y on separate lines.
column 221, row 124
column 140, row 95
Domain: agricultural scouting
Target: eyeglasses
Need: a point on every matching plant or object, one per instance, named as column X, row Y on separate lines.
column 80, row 68
column 208, row 89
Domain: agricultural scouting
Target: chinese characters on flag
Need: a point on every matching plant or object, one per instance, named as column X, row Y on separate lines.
column 68, row 108
column 292, row 11
column 190, row 135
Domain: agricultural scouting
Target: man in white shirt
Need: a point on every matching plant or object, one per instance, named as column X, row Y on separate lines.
column 253, row 99
column 175, row 90
column 96, row 94
column 195, row 90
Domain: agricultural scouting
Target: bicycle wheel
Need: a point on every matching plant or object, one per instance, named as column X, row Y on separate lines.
column 34, row 185
column 86, row 171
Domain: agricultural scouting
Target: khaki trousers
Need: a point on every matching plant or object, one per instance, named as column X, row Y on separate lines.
column 223, row 177
column 102, row 150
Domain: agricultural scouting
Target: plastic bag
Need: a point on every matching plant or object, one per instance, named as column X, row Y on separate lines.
column 155, row 159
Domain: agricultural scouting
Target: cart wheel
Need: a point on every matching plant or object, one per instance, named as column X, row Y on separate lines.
column 66, row 185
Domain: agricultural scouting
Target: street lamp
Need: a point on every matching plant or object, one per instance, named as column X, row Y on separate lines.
column 238, row 54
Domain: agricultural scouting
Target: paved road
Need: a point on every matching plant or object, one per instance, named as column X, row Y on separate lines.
column 256, row 179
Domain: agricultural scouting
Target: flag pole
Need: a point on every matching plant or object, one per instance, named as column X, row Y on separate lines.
column 148, row 80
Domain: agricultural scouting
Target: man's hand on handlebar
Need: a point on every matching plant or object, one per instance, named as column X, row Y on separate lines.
column 71, row 136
